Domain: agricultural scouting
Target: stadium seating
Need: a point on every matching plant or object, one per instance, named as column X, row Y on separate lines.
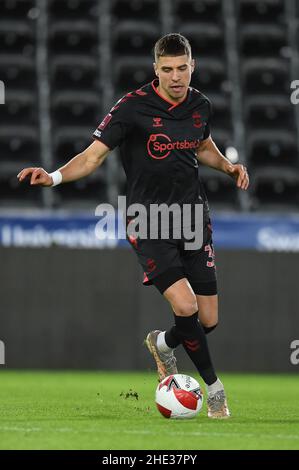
column 262, row 11
column 72, row 9
column 269, row 111
column 75, row 75
column 73, row 72
column 220, row 190
column 262, row 41
column 278, row 188
column 265, row 76
column 202, row 23
column 13, row 194
column 69, row 141
column 18, row 72
column 132, row 72
column 22, row 143
column 20, row 107
column 19, row 117
column 16, row 9
column 206, row 39
column 134, row 38
column 268, row 148
column 269, row 116
column 73, row 108
column 221, row 112
column 135, row 10
column 205, row 11
column 73, row 37
column 16, row 37
column 74, row 83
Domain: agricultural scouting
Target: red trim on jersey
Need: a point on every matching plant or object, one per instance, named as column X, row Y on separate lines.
column 173, row 105
column 140, row 92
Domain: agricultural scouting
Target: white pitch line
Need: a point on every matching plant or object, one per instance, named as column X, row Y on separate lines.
column 221, row 434
column 145, row 432
column 16, row 429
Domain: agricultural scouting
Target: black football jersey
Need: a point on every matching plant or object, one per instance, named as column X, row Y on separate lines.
column 158, row 142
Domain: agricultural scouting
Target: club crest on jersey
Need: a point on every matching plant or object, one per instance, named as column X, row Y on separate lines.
column 157, row 122
column 197, row 120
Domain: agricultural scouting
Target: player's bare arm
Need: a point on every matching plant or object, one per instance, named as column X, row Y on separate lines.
column 81, row 165
column 208, row 154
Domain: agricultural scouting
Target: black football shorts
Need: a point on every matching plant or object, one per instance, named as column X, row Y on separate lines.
column 166, row 261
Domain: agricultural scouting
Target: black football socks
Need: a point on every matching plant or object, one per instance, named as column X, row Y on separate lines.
column 209, row 329
column 189, row 332
column 172, row 338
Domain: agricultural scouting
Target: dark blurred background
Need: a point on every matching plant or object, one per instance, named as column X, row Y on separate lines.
column 64, row 63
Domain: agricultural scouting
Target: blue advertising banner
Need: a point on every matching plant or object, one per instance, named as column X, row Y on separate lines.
column 259, row 232
column 230, row 231
column 43, row 231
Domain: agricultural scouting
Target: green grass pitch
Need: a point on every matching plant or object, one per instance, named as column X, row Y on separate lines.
column 89, row 410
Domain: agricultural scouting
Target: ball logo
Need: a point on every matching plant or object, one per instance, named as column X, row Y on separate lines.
column 159, row 146
column 170, row 382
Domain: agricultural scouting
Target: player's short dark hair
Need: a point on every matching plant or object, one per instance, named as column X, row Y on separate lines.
column 172, row 44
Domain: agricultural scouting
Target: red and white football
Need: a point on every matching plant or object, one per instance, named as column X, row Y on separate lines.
column 179, row 396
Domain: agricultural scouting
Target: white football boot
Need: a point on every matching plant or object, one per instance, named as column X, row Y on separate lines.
column 166, row 363
column 217, row 405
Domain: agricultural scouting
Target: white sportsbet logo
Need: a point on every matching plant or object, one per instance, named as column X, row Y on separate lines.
column 2, row 353
column 2, row 92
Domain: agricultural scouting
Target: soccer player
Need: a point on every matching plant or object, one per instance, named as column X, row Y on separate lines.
column 163, row 130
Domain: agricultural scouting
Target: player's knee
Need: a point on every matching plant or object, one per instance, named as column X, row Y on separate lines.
column 209, row 317
column 186, row 308
column 211, row 322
